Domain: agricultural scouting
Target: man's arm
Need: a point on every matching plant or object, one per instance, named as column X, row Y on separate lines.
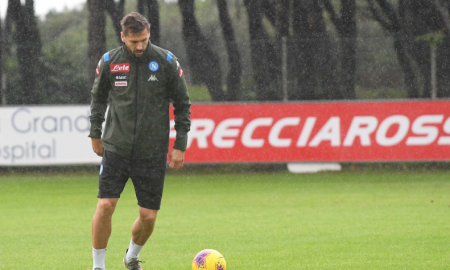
column 182, row 110
column 99, row 104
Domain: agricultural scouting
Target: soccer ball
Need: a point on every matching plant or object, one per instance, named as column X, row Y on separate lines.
column 209, row 259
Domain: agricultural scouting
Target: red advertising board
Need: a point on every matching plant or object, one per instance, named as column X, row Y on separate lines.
column 313, row 132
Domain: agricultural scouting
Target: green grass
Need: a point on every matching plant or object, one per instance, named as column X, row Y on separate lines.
column 257, row 221
column 199, row 93
column 380, row 93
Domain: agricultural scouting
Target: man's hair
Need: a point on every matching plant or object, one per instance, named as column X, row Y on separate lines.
column 134, row 22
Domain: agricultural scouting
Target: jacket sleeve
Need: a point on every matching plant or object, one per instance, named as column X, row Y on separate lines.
column 181, row 104
column 99, row 99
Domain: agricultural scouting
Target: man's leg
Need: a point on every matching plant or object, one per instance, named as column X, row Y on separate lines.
column 101, row 224
column 148, row 180
column 141, row 231
column 144, row 225
column 114, row 174
column 101, row 230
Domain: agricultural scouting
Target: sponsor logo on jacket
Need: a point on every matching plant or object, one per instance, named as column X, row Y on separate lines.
column 97, row 70
column 122, row 67
column 121, row 83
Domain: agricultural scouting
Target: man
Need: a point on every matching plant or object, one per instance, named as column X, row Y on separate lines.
column 141, row 79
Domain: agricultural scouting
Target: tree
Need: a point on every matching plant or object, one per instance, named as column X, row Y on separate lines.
column 269, row 8
column 408, row 21
column 282, row 36
column 96, row 39
column 346, row 28
column 265, row 57
column 443, row 71
column 313, row 52
column 26, row 37
column 96, row 32
column 153, row 18
column 409, row 12
column 116, row 11
column 6, row 50
column 234, row 58
column 2, row 46
column 387, row 16
column 204, row 63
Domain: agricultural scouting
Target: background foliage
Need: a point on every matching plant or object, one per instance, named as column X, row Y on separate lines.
column 63, row 75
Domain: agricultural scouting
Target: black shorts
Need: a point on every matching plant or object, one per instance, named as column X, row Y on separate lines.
column 147, row 176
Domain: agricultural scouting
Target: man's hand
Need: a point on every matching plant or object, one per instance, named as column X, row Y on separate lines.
column 97, row 146
column 176, row 159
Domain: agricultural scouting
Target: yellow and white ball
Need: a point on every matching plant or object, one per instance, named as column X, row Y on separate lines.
column 209, row 259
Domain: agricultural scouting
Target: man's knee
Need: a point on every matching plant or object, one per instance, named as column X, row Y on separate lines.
column 106, row 207
column 147, row 215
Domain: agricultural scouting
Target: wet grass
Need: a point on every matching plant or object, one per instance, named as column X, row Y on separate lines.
column 380, row 93
column 199, row 94
column 350, row 220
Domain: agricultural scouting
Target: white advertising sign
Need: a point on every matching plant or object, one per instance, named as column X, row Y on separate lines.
column 45, row 135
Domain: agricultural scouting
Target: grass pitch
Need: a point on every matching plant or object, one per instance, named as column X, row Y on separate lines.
column 257, row 221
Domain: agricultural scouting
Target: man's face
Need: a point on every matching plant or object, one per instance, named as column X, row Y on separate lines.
column 136, row 42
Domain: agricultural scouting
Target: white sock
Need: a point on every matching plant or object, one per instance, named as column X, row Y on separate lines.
column 133, row 251
column 99, row 258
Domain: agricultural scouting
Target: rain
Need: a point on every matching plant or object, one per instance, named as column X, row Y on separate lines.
column 293, row 134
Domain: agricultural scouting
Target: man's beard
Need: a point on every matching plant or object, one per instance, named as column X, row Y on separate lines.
column 138, row 51
column 135, row 51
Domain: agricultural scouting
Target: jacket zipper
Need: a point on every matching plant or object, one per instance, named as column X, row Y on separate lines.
column 136, row 106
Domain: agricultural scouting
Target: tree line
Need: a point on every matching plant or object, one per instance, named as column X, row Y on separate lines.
column 307, row 47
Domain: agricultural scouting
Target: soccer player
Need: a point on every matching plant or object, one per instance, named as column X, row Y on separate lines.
column 141, row 80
